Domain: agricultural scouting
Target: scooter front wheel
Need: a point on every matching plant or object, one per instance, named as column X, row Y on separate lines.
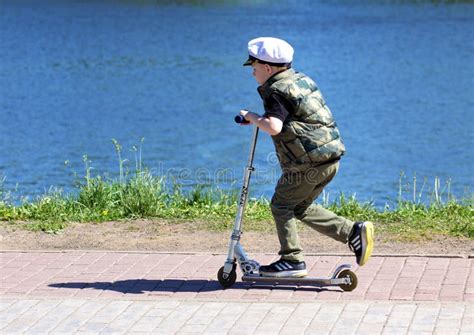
column 353, row 278
column 230, row 280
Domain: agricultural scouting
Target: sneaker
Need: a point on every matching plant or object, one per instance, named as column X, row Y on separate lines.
column 361, row 241
column 283, row 268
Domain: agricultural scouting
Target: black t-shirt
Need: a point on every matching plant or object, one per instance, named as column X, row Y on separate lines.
column 276, row 106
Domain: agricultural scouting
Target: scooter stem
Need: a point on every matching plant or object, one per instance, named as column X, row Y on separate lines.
column 235, row 237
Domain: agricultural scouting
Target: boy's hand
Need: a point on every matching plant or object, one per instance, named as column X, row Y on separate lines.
column 244, row 113
column 271, row 125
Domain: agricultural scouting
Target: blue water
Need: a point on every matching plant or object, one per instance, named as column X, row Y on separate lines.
column 398, row 76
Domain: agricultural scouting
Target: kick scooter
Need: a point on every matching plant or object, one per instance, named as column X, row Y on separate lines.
column 342, row 276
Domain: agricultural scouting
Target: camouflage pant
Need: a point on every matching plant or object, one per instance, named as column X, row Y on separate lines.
column 293, row 199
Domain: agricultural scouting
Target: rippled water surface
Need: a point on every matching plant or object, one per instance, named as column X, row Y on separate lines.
column 398, row 77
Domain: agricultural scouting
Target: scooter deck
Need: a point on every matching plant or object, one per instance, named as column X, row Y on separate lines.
column 302, row 281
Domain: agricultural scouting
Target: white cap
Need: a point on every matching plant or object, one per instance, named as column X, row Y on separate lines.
column 271, row 50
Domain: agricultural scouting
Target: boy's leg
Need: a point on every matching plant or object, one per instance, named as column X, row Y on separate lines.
column 290, row 191
column 327, row 223
column 318, row 218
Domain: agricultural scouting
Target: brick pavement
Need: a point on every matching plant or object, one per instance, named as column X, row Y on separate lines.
column 127, row 292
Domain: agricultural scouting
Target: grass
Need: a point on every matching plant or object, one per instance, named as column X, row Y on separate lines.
column 141, row 195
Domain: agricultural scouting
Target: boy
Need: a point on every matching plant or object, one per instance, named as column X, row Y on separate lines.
column 309, row 147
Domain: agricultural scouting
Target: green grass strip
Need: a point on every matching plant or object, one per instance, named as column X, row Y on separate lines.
column 145, row 196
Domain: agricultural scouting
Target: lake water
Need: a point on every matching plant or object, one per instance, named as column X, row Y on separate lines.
column 398, row 76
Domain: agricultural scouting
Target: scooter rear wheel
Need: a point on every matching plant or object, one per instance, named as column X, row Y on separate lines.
column 230, row 280
column 352, row 276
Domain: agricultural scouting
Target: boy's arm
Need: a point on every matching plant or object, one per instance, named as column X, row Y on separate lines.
column 269, row 124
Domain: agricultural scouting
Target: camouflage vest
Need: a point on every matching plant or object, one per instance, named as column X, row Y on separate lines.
column 309, row 136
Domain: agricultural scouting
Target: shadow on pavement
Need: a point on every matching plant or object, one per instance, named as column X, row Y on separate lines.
column 141, row 286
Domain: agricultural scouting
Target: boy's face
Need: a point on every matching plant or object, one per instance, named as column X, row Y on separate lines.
column 261, row 72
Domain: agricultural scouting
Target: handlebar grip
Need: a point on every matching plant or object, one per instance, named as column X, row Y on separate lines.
column 240, row 119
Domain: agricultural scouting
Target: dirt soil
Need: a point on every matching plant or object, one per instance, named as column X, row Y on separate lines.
column 156, row 235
